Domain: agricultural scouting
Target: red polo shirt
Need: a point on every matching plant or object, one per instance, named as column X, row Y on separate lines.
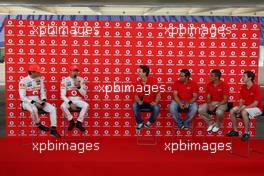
column 147, row 92
column 218, row 91
column 186, row 91
column 249, row 95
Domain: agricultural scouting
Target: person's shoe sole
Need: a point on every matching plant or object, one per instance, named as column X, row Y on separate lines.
column 55, row 135
column 70, row 128
column 216, row 130
column 139, row 128
column 237, row 135
column 210, row 128
column 44, row 129
column 244, row 139
column 81, row 128
column 146, row 126
column 186, row 128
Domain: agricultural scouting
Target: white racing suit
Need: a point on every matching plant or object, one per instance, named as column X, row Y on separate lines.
column 34, row 89
column 70, row 92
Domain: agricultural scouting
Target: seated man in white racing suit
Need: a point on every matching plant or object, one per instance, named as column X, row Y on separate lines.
column 73, row 90
column 32, row 93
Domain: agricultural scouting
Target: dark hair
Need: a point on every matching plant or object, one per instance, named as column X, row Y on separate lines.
column 217, row 72
column 186, row 72
column 250, row 74
column 145, row 69
column 29, row 72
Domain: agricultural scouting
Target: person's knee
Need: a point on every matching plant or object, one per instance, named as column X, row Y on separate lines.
column 219, row 113
column 156, row 108
column 135, row 105
column 86, row 105
column 173, row 106
column 52, row 109
column 244, row 113
column 201, row 110
column 63, row 106
column 231, row 112
column 194, row 108
column 33, row 109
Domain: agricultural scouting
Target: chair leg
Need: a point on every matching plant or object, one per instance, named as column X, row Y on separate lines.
column 239, row 154
column 139, row 142
column 21, row 130
column 32, row 136
column 255, row 151
column 23, row 137
column 65, row 128
column 174, row 128
column 192, row 129
column 248, row 148
column 64, row 125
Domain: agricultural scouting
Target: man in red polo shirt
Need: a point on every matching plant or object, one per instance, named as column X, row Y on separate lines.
column 184, row 99
column 147, row 97
column 216, row 101
column 250, row 105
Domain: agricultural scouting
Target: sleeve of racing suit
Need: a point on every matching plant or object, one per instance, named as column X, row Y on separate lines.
column 22, row 92
column 83, row 88
column 43, row 94
column 63, row 90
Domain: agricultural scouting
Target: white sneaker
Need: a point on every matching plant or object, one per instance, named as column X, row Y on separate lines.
column 210, row 128
column 147, row 125
column 139, row 126
column 215, row 129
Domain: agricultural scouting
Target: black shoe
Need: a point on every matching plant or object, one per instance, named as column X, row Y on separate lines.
column 54, row 132
column 71, row 125
column 42, row 127
column 232, row 133
column 245, row 137
column 79, row 126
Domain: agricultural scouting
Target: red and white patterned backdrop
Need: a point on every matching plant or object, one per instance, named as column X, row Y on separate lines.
column 110, row 52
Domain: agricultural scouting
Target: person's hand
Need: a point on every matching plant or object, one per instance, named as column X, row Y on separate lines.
column 153, row 103
column 77, row 83
column 43, row 103
column 140, row 102
column 182, row 106
column 38, row 105
column 73, row 107
column 240, row 109
column 187, row 105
